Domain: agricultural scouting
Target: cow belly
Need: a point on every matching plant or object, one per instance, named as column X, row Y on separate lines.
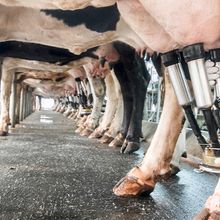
column 29, row 25
column 145, row 26
column 187, row 21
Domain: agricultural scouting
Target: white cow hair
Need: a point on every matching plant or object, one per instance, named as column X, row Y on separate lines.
column 58, row 4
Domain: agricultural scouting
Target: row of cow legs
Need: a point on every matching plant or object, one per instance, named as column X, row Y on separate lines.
column 123, row 116
column 17, row 101
column 96, row 125
column 115, row 106
column 113, row 103
column 98, row 91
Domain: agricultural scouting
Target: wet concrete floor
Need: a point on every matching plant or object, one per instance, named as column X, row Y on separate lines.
column 48, row 172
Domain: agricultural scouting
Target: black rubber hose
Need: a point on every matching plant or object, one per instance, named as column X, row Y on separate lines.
column 194, row 125
column 211, row 127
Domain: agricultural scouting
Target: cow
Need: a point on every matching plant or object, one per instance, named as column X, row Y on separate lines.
column 166, row 21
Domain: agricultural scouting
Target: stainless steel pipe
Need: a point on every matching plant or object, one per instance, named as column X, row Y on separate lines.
column 180, row 84
column 195, row 57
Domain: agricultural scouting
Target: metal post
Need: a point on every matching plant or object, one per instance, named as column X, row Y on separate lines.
column 158, row 101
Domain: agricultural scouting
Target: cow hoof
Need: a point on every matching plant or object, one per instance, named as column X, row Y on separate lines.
column 74, row 117
column 106, row 139
column 129, row 147
column 174, row 169
column 95, row 134
column 65, row 114
column 132, row 185
column 70, row 116
column 211, row 210
column 86, row 132
column 203, row 215
column 118, row 141
column 79, row 129
column 3, row 133
column 215, row 215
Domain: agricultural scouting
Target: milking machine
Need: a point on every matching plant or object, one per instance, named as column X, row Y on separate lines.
column 67, row 100
column 70, row 98
column 89, row 92
column 214, row 56
column 63, row 104
column 195, row 56
column 82, row 97
column 81, row 94
column 72, row 103
column 75, row 102
column 174, row 63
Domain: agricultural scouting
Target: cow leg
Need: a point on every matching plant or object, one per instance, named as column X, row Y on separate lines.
column 140, row 78
column 110, row 107
column 117, row 120
column 56, row 103
column 6, row 82
column 126, row 90
column 211, row 210
column 98, row 90
column 67, row 112
column 156, row 163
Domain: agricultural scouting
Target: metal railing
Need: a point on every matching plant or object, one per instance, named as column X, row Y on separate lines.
column 153, row 108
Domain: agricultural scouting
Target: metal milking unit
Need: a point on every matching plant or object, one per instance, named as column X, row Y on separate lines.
column 195, row 57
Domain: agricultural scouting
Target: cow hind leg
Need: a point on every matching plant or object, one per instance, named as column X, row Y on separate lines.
column 156, row 162
column 98, row 93
column 116, row 123
column 140, row 78
column 126, row 90
column 110, row 107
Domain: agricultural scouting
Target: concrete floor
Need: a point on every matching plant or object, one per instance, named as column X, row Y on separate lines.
column 48, row 172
